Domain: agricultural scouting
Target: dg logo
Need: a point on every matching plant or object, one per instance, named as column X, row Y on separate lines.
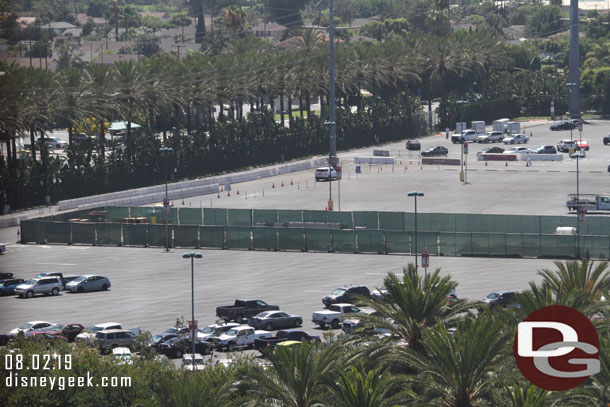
column 556, row 348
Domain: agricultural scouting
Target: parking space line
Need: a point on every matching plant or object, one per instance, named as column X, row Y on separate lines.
column 595, row 172
column 532, row 170
column 492, row 170
column 552, row 171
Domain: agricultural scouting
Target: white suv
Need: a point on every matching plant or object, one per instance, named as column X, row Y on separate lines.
column 44, row 285
column 322, row 174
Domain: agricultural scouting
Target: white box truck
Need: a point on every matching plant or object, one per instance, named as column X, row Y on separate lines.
column 500, row 125
column 514, row 128
column 460, row 127
column 479, row 127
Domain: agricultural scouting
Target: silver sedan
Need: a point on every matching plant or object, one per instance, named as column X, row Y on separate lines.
column 88, row 282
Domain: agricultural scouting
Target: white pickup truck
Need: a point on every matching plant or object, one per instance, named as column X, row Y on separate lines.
column 334, row 315
column 239, row 337
column 467, row 135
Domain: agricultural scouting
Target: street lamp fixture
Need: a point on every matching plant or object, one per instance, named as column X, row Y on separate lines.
column 165, row 151
column 192, row 256
column 415, row 194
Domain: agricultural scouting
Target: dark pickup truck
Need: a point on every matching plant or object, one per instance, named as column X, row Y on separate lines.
column 243, row 310
column 285, row 335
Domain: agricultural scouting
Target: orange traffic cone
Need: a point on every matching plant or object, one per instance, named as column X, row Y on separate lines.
column 291, row 182
column 238, row 192
column 326, row 209
column 222, row 189
column 282, row 184
column 182, row 201
column 486, row 163
column 406, row 168
column 218, row 196
column 527, row 164
column 506, row 165
column 229, row 193
column 380, row 168
column 273, row 186
column 531, row 134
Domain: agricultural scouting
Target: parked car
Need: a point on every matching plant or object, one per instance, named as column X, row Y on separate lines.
column 582, row 145
column 379, row 293
column 212, row 331
column 491, row 150
column 545, row 150
column 44, row 285
column 112, row 338
column 2, row 248
column 346, row 294
column 493, row 137
column 322, row 174
column 30, row 326
column 564, row 146
column 333, row 316
column 55, row 143
column 176, row 347
column 606, row 140
column 241, row 336
column 563, row 125
column 68, row 331
column 88, row 282
column 122, row 355
column 64, row 280
column 516, row 139
column 243, row 310
column 282, row 336
column 413, row 145
column 467, row 135
column 519, row 150
column 501, row 298
column 434, row 151
column 89, row 333
column 80, row 138
column 5, row 276
column 578, row 154
column 187, row 361
column 271, row 320
column 7, row 287
column 158, row 339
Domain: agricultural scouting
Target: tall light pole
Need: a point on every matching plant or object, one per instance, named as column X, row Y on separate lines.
column 332, row 123
column 192, row 256
column 165, row 151
column 574, row 62
column 415, row 194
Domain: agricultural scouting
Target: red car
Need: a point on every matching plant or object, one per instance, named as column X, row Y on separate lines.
column 68, row 331
column 582, row 145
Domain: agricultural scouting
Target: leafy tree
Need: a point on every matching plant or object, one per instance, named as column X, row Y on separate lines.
column 571, row 275
column 88, row 27
column 599, row 27
column 96, row 8
column 286, row 12
column 543, row 21
column 181, row 20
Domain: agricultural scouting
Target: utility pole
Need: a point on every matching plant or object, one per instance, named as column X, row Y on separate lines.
column 574, row 62
column 178, row 46
column 332, row 152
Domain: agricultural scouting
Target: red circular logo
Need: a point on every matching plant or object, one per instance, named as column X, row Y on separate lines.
column 556, row 348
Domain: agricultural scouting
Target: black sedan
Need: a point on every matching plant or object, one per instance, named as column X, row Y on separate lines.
column 413, row 145
column 434, row 151
column 270, row 320
column 564, row 125
column 492, row 150
column 176, row 347
column 545, row 150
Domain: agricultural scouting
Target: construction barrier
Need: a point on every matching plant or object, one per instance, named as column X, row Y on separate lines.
column 347, row 232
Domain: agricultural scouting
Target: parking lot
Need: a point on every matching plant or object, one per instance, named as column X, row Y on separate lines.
column 151, row 288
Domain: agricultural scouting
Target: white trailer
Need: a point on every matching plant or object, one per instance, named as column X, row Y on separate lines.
column 500, row 125
column 514, row 128
column 479, row 127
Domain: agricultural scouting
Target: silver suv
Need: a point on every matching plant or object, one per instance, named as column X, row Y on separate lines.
column 112, row 338
column 44, row 285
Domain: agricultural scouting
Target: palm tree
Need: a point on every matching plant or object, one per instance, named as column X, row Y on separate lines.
column 571, row 275
column 211, row 387
column 523, row 395
column 295, row 377
column 414, row 304
column 459, row 370
column 357, row 387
